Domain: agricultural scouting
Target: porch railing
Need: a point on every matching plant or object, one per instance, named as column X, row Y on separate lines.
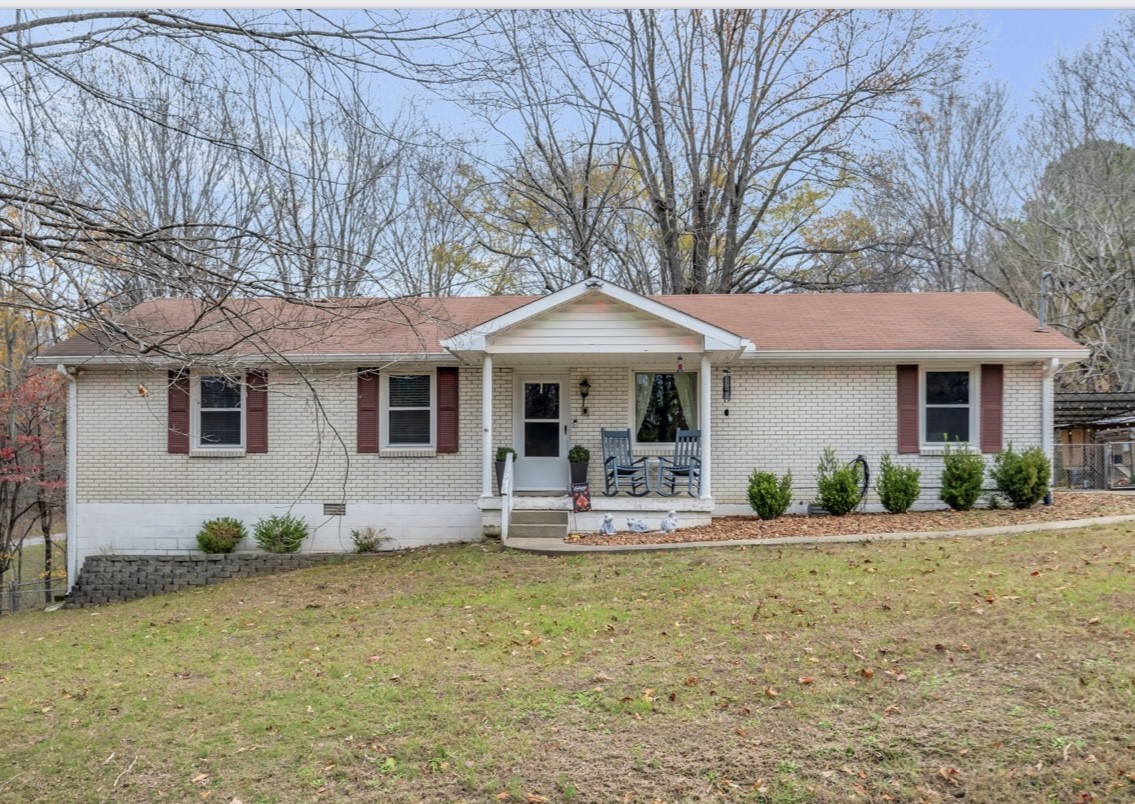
column 506, row 497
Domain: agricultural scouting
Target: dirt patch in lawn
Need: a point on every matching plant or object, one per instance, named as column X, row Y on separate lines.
column 1065, row 507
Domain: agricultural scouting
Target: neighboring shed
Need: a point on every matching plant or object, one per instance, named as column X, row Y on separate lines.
column 1094, row 433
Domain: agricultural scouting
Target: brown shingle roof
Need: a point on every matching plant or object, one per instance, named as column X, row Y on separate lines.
column 873, row 321
column 803, row 322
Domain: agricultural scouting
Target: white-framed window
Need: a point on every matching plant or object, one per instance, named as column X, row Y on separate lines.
column 664, row 402
column 949, row 405
column 408, row 410
column 218, row 413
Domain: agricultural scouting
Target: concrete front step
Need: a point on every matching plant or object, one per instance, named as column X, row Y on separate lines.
column 534, row 517
column 527, row 524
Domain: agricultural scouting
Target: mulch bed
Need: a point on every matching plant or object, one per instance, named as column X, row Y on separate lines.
column 1066, row 506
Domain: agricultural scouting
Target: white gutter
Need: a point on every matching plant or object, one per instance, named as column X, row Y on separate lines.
column 913, row 355
column 1048, row 396
column 72, row 478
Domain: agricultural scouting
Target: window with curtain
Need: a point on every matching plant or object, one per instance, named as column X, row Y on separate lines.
column 409, row 399
column 664, row 403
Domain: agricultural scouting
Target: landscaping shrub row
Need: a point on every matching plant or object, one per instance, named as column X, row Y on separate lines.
column 276, row 534
column 1020, row 478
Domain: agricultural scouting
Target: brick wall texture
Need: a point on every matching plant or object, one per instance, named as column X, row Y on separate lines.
column 780, row 418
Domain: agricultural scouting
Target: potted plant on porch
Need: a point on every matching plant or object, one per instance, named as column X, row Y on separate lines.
column 578, row 457
column 502, row 456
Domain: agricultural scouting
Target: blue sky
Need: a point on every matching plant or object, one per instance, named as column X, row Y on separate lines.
column 1021, row 42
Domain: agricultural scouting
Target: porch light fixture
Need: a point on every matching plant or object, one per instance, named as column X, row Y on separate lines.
column 584, row 390
column 726, row 387
column 679, row 364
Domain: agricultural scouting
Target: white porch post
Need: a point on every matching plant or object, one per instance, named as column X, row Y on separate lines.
column 704, row 391
column 487, row 426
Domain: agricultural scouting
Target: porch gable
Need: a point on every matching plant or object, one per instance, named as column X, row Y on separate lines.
column 595, row 317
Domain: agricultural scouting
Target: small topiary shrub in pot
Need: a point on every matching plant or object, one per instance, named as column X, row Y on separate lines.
column 280, row 534
column 1021, row 477
column 220, row 535
column 838, row 484
column 962, row 477
column 898, row 486
column 769, row 495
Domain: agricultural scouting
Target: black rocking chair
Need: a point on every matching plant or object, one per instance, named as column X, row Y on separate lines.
column 684, row 469
column 621, row 470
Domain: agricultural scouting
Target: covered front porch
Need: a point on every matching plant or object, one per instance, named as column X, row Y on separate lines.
column 558, row 372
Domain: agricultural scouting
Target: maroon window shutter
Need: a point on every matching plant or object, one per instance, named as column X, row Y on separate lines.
column 447, row 410
column 177, row 408
column 367, row 411
column 256, row 418
column 992, row 406
column 909, row 436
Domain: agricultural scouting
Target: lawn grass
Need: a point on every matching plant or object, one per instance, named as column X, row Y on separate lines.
column 1001, row 669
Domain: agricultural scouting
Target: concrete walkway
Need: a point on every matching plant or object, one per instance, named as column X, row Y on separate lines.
column 558, row 547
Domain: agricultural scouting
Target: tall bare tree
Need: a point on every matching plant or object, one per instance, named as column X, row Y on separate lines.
column 85, row 245
column 923, row 212
column 1077, row 223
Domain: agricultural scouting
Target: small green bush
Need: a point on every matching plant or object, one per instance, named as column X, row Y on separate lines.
column 962, row 477
column 838, row 484
column 898, row 486
column 579, row 454
column 504, row 452
column 770, row 496
column 220, row 535
column 368, row 539
column 280, row 534
column 1021, row 477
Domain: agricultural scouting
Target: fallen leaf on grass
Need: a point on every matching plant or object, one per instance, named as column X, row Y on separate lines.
column 691, row 681
column 770, row 692
column 199, row 778
column 1094, row 621
column 806, row 679
column 600, row 678
column 867, row 672
column 375, row 659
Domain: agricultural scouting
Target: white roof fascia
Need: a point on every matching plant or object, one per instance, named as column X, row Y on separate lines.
column 248, row 360
column 913, row 355
column 475, row 339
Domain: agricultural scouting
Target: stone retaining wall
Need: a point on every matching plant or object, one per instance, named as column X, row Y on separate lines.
column 117, row 578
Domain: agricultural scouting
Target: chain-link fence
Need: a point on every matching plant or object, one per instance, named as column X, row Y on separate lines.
column 1094, row 466
column 22, row 596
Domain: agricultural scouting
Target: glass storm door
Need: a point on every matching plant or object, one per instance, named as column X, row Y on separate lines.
column 541, row 434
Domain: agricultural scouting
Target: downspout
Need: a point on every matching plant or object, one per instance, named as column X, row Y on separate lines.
column 72, row 477
column 1046, row 416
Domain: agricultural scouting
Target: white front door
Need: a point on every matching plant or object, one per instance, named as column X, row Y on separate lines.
column 541, row 433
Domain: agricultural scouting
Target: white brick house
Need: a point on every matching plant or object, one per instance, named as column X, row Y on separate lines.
column 392, row 411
